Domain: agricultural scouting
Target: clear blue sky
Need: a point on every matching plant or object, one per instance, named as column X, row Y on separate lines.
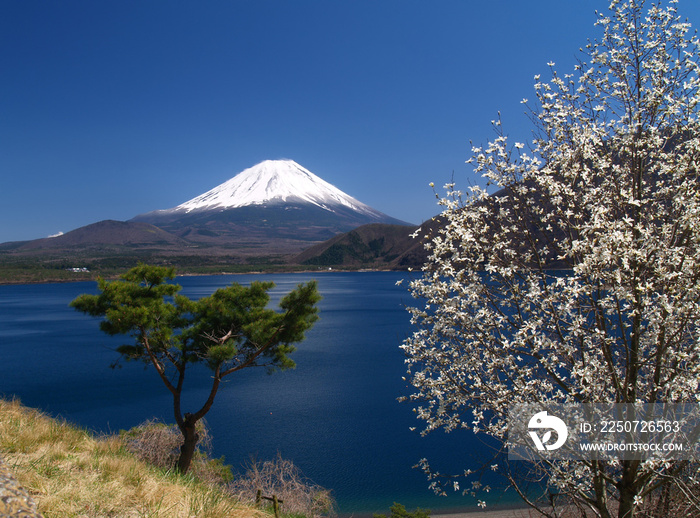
column 109, row 109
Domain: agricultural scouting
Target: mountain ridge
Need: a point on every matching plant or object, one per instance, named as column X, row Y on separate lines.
column 107, row 233
column 271, row 200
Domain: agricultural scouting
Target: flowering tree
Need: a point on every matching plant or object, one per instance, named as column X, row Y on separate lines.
column 608, row 192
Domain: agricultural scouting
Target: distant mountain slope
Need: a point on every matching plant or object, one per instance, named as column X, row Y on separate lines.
column 107, row 233
column 262, row 217
column 275, row 199
column 374, row 245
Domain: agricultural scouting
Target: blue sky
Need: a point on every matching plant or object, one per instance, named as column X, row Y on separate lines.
column 114, row 108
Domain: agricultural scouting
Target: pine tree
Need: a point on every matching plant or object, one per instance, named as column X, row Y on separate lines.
column 228, row 331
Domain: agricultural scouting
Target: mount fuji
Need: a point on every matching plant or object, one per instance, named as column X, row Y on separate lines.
column 276, row 200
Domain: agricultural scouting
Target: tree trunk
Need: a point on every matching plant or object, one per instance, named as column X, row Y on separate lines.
column 626, row 509
column 628, row 491
column 600, row 491
column 190, row 443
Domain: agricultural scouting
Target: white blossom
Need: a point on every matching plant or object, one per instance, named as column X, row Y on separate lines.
column 579, row 281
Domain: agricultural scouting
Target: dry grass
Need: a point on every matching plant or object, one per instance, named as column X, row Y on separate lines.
column 284, row 480
column 70, row 473
column 159, row 444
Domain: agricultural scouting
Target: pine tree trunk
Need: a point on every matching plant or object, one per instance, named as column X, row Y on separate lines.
column 190, row 443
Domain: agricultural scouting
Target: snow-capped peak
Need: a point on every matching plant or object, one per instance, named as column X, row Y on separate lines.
column 273, row 181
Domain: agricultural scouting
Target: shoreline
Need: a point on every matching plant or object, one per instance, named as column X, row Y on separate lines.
column 516, row 512
column 27, row 282
column 505, row 512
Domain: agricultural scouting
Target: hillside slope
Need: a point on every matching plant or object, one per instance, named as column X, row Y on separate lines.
column 370, row 246
column 68, row 472
column 107, row 233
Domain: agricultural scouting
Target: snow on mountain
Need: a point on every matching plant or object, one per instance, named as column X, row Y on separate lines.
column 272, row 182
column 274, row 205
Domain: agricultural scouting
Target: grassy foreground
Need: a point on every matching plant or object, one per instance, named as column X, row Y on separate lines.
column 69, row 472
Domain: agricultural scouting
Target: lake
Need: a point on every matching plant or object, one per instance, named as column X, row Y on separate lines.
column 335, row 415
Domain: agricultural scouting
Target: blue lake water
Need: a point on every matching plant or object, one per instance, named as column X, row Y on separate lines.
column 335, row 415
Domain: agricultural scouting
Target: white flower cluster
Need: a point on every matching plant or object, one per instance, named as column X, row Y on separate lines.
column 579, row 280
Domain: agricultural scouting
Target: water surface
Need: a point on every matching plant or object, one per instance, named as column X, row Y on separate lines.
column 335, row 415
